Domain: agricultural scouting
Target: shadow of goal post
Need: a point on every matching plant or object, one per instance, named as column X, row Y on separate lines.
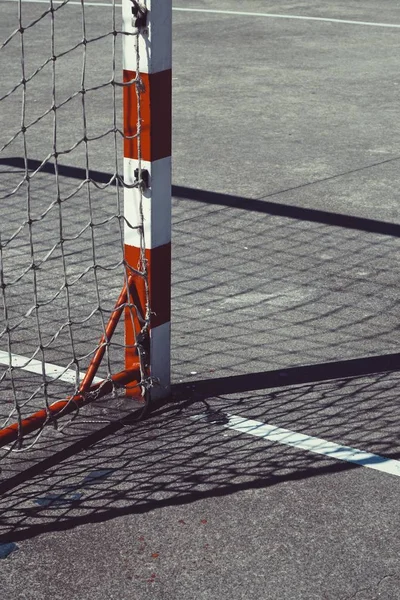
column 144, row 302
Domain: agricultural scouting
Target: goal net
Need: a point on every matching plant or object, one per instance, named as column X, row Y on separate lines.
column 85, row 115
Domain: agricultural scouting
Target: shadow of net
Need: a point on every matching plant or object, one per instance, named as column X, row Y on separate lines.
column 253, row 290
column 183, row 453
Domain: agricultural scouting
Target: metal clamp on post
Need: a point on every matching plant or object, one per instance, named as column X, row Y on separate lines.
column 139, row 15
column 144, row 181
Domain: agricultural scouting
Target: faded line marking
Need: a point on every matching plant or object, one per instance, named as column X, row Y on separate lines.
column 227, row 12
column 276, row 16
column 271, row 433
column 35, row 366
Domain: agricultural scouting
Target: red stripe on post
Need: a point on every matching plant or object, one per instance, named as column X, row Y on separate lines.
column 156, row 115
column 159, row 282
column 159, row 279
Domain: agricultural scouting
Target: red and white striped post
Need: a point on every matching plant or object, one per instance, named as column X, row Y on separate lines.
column 147, row 154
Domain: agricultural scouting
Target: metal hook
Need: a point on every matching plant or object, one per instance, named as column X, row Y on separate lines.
column 139, row 14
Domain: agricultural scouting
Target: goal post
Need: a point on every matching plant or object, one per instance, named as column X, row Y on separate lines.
column 63, row 342
column 147, row 158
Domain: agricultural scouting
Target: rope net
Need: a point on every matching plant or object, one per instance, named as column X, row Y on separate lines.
column 62, row 262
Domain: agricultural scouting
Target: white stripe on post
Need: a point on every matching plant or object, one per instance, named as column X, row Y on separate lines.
column 155, row 47
column 156, row 210
column 153, row 156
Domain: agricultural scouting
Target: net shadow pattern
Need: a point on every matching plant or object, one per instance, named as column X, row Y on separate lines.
column 297, row 272
column 176, row 458
column 61, row 240
column 283, row 291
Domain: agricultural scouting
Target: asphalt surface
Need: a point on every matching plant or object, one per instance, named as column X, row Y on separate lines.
column 286, row 232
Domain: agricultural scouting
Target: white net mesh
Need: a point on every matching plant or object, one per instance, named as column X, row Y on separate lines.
column 61, row 232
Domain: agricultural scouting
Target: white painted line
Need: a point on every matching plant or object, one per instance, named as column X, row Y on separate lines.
column 35, row 366
column 279, row 435
column 72, row 2
column 275, row 16
column 229, row 12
